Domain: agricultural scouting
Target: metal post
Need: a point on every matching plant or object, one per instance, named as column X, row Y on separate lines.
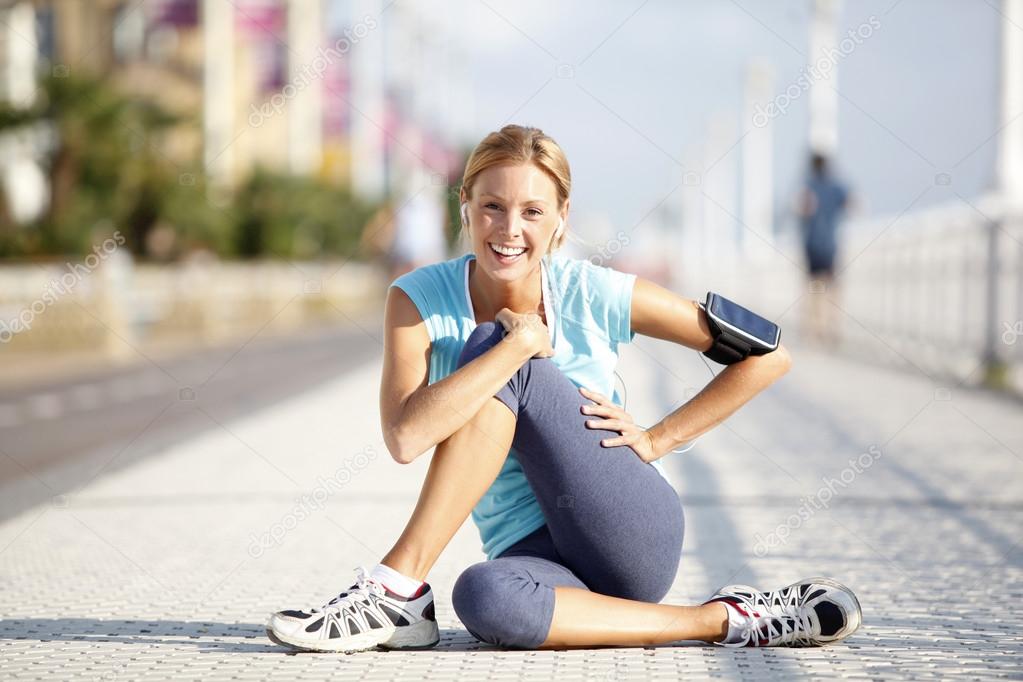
column 306, row 66
column 823, row 98
column 368, row 165
column 757, row 163
column 995, row 370
column 218, row 91
column 1010, row 184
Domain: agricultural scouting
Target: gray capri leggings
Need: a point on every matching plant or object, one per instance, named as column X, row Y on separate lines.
column 614, row 525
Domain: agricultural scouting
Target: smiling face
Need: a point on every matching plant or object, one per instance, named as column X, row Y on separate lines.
column 512, row 208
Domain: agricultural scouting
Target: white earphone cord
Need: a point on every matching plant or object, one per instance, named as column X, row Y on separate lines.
column 464, row 210
column 625, row 401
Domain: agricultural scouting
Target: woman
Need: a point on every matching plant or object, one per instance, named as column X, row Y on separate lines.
column 503, row 358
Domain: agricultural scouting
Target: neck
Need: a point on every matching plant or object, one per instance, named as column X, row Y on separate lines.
column 489, row 295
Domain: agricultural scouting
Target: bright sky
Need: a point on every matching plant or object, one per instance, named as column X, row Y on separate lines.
column 642, row 81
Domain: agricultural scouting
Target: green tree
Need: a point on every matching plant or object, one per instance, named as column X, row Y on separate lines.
column 106, row 172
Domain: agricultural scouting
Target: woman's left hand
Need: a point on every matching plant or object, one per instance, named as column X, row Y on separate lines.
column 617, row 419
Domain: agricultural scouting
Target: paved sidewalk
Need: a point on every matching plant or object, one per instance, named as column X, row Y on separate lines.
column 169, row 567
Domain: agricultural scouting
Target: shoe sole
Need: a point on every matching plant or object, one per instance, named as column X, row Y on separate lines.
column 422, row 635
column 407, row 637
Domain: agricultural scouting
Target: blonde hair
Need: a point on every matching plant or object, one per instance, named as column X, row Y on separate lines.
column 520, row 144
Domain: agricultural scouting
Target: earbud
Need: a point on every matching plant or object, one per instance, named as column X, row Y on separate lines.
column 560, row 228
column 465, row 214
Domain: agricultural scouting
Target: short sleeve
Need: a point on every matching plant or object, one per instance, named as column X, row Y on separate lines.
column 414, row 290
column 613, row 289
column 620, row 314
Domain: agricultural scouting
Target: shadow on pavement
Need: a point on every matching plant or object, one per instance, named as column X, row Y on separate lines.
column 204, row 635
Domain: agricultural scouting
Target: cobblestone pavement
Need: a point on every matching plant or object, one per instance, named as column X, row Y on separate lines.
column 905, row 489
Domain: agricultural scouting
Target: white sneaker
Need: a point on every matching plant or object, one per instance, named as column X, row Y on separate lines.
column 364, row 616
column 812, row 612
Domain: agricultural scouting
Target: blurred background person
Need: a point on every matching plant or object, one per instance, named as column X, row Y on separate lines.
column 820, row 207
column 419, row 220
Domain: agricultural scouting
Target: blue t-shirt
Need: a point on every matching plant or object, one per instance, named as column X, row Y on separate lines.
column 819, row 229
column 588, row 316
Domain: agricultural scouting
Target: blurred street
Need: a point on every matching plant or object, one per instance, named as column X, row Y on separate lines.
column 102, row 414
column 168, row 561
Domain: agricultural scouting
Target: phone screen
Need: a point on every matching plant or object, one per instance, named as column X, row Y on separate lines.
column 746, row 320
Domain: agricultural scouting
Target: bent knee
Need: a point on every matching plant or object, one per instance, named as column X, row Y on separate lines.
column 642, row 576
column 502, row 607
column 660, row 566
column 484, row 337
column 484, row 330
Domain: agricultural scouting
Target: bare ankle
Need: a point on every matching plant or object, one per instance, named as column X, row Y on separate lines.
column 716, row 618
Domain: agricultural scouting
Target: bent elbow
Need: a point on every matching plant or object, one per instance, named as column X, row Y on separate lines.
column 402, row 450
column 402, row 457
column 783, row 359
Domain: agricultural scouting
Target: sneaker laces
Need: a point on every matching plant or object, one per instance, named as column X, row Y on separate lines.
column 363, row 586
column 784, row 625
column 787, row 622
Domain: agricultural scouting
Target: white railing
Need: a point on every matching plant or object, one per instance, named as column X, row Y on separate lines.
column 940, row 288
column 43, row 308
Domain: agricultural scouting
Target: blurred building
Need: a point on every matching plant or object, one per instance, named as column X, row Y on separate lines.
column 299, row 86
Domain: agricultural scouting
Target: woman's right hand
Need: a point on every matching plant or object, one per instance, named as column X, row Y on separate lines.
column 528, row 330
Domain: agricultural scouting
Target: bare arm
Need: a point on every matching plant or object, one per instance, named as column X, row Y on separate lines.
column 662, row 314
column 415, row 415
